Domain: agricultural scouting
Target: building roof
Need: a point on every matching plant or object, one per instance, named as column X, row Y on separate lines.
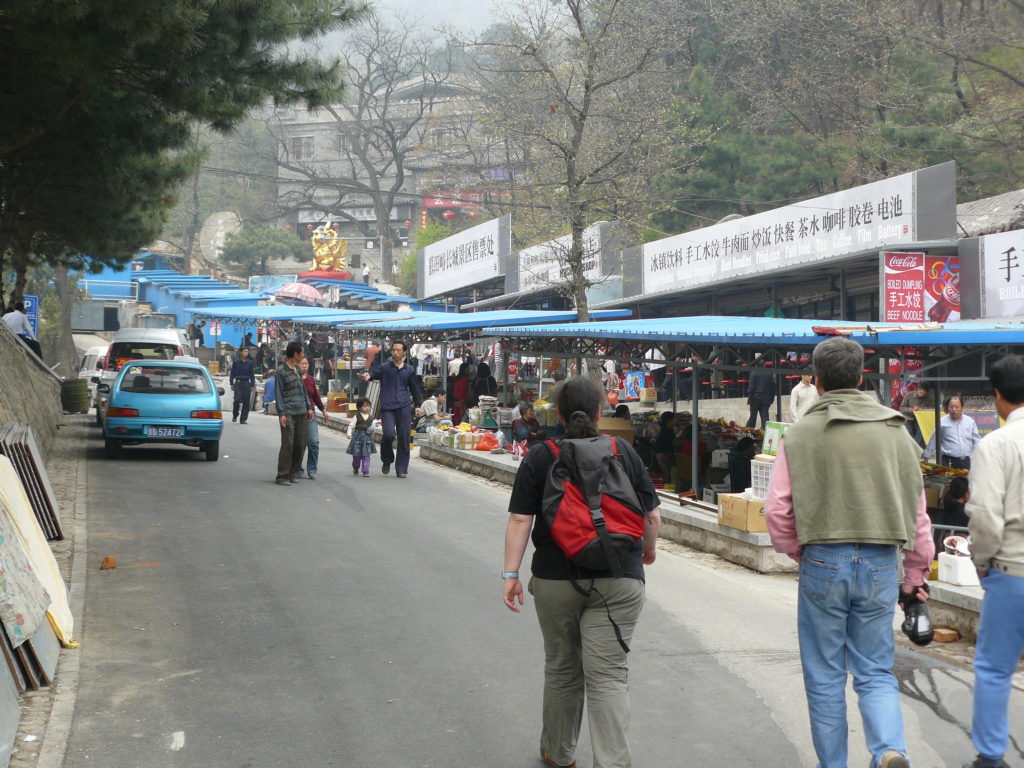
column 1000, row 213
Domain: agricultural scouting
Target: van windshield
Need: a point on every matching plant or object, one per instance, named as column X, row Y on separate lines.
column 122, row 351
column 164, row 380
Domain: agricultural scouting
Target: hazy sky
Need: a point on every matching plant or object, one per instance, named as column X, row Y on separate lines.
column 468, row 14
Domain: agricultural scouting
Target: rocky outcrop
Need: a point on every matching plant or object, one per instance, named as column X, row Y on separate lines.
column 29, row 391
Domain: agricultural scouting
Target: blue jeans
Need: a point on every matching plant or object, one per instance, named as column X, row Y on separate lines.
column 312, row 445
column 844, row 617
column 1000, row 644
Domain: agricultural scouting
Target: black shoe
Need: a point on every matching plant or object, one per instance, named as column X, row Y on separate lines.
column 980, row 762
column 401, row 474
column 243, row 422
column 293, row 480
column 234, row 418
column 355, row 470
column 282, row 481
column 385, row 468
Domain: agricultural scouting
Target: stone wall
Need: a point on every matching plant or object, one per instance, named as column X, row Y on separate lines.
column 29, row 391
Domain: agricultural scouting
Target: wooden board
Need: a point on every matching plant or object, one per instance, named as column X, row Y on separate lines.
column 19, row 445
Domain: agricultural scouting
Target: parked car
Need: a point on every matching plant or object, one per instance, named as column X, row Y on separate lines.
column 91, row 366
column 163, row 401
column 136, row 344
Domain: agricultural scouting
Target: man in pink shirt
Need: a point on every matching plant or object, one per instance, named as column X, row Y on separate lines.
column 845, row 498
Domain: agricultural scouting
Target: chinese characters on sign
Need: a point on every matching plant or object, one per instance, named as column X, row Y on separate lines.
column 462, row 253
column 1002, row 274
column 832, row 226
column 466, row 258
column 546, row 265
column 919, row 288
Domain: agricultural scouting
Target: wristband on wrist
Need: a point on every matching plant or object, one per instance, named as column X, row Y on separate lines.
column 510, row 575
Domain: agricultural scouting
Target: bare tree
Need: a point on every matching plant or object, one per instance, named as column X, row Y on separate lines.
column 397, row 82
column 580, row 90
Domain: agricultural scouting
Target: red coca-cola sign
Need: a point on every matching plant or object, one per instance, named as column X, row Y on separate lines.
column 899, row 261
column 918, row 288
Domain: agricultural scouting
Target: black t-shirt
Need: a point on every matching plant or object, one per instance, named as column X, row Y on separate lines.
column 549, row 562
column 665, row 442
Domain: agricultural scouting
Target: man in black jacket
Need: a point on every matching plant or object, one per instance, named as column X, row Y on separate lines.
column 242, row 380
column 760, row 397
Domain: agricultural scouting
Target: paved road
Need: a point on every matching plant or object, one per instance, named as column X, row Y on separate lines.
column 357, row 622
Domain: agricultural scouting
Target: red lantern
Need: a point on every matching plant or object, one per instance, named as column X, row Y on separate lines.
column 449, row 214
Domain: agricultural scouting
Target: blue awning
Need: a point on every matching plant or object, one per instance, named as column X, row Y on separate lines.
column 767, row 331
column 480, row 321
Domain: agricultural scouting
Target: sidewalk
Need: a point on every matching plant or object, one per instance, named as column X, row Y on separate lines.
column 46, row 713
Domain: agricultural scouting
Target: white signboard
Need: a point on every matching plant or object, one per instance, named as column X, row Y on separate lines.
column 467, row 258
column 545, row 265
column 873, row 216
column 1002, row 274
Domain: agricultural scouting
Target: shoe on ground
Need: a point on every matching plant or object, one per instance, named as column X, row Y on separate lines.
column 282, row 481
column 385, row 468
column 234, row 418
column 355, row 470
column 402, row 474
column 980, row 762
column 366, row 474
column 548, row 761
column 243, row 422
column 293, row 480
column 311, row 476
column 893, row 759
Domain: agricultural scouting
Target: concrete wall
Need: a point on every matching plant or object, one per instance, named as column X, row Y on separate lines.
column 29, row 391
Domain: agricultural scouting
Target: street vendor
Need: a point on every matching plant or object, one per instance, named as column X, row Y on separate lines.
column 921, row 398
column 740, row 458
column 433, row 412
column 959, row 435
column 526, row 427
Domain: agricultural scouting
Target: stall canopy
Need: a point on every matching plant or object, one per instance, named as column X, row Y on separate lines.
column 280, row 313
column 765, row 331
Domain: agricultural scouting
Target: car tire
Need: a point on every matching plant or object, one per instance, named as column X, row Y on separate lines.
column 112, row 448
column 212, row 450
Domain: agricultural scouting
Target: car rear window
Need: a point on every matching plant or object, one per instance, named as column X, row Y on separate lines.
column 164, row 380
column 123, row 351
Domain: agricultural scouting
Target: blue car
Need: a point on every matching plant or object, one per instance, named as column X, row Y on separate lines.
column 163, row 401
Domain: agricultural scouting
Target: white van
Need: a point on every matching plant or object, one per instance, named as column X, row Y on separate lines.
column 91, row 366
column 135, row 344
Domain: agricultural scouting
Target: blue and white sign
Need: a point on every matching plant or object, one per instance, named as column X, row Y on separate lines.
column 32, row 310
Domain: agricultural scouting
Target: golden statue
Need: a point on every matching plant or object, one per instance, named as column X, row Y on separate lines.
column 330, row 251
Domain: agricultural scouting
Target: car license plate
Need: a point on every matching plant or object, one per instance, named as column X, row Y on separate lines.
column 163, row 432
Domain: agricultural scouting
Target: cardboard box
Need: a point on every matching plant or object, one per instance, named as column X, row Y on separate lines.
column 742, row 514
column 957, row 570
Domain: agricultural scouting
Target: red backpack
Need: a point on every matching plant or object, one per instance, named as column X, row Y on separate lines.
column 590, row 505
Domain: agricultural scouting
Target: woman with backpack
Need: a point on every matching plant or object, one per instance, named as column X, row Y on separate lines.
column 589, row 590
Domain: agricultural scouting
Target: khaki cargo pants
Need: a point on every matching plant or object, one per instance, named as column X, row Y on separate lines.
column 584, row 658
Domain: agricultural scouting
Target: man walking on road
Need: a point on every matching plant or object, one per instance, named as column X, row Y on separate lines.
column 294, row 413
column 844, row 514
column 242, row 380
column 399, row 392
column 996, row 510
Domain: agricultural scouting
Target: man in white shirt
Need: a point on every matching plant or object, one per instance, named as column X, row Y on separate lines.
column 996, row 511
column 18, row 322
column 959, row 435
column 433, row 412
column 803, row 396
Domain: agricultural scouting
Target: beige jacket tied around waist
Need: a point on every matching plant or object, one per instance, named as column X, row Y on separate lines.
column 996, row 506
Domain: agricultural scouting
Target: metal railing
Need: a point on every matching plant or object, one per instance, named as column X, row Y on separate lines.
column 110, row 289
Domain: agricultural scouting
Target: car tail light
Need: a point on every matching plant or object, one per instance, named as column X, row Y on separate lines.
column 122, row 412
column 206, row 414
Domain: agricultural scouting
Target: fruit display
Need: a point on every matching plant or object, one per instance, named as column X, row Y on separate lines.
column 937, row 469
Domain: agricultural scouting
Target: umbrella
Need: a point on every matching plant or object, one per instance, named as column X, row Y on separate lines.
column 299, row 293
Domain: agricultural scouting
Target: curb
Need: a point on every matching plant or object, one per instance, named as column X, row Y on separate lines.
column 58, row 728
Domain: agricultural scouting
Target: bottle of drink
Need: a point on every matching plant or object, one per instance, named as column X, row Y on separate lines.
column 948, row 302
